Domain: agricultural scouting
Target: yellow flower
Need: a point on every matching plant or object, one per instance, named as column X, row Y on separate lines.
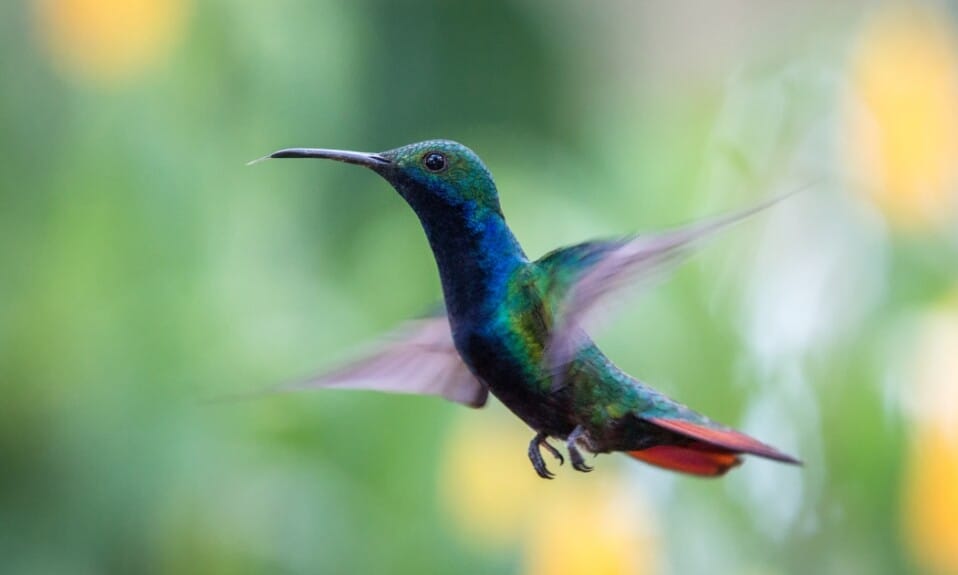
column 106, row 40
column 902, row 119
column 932, row 499
column 931, row 486
column 486, row 482
column 595, row 530
column 571, row 525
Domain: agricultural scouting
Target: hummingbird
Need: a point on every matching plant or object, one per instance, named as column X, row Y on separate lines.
column 515, row 327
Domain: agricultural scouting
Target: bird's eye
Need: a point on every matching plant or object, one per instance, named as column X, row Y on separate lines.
column 434, row 161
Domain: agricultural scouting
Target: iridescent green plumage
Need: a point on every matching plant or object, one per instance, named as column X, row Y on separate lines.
column 514, row 327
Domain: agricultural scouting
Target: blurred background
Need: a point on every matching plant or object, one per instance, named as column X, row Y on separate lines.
column 145, row 269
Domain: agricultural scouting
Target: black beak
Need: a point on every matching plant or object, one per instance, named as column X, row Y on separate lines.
column 374, row 161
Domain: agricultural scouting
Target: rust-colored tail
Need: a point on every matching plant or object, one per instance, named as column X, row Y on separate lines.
column 711, row 453
column 692, row 459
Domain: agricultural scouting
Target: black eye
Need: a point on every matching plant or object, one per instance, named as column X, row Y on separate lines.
column 434, row 161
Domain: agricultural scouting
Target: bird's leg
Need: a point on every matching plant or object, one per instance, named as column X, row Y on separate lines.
column 578, row 462
column 535, row 455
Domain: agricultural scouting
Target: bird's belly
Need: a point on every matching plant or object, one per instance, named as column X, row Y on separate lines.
column 520, row 385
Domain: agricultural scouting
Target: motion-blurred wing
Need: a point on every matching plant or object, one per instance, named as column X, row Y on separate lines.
column 580, row 277
column 419, row 358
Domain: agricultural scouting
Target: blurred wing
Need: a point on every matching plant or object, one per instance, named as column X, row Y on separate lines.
column 420, row 358
column 580, row 277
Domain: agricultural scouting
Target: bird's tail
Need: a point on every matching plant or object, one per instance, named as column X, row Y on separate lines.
column 705, row 451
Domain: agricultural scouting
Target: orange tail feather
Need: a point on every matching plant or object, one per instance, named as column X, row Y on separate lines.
column 691, row 459
column 711, row 453
column 723, row 439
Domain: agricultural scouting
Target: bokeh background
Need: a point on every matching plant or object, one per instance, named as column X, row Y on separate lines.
column 144, row 269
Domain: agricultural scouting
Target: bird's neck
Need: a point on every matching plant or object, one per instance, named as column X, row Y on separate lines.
column 476, row 254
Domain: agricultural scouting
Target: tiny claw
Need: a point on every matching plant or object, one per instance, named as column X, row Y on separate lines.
column 535, row 455
column 578, row 462
column 582, row 466
column 553, row 451
column 541, row 469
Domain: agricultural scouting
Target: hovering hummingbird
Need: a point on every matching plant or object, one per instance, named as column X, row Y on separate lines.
column 515, row 327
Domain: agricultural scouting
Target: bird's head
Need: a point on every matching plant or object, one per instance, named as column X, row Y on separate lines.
column 429, row 175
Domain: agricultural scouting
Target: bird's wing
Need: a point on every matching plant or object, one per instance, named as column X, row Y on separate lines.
column 419, row 358
column 578, row 278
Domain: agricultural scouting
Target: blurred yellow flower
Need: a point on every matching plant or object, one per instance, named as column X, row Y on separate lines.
column 593, row 530
column 902, row 120
column 106, row 40
column 486, row 481
column 574, row 524
column 932, row 500
column 931, row 496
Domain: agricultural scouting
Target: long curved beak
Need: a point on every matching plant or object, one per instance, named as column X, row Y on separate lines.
column 373, row 161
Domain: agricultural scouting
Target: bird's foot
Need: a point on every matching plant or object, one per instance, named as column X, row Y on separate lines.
column 535, row 455
column 575, row 456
